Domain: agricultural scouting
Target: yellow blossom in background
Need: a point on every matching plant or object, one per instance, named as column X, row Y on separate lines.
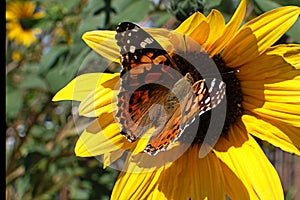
column 20, row 19
column 269, row 83
column 16, row 56
column 62, row 35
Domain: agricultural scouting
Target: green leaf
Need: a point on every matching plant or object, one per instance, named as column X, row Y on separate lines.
column 120, row 6
column 160, row 18
column 288, row 2
column 31, row 68
column 294, row 31
column 58, row 77
column 33, row 81
column 265, row 5
column 51, row 57
column 45, row 25
column 92, row 7
column 211, row 3
column 77, row 192
column 91, row 23
column 22, row 185
column 227, row 8
column 93, row 62
column 14, row 102
column 133, row 12
column 67, row 5
column 41, row 133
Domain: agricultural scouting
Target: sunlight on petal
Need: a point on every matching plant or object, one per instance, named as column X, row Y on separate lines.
column 243, row 156
column 217, row 25
column 107, row 140
column 259, row 34
column 279, row 134
column 83, row 84
column 230, row 30
column 98, row 101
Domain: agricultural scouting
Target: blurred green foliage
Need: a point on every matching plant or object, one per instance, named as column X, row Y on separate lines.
column 40, row 134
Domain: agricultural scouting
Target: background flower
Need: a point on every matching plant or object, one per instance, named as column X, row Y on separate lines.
column 21, row 16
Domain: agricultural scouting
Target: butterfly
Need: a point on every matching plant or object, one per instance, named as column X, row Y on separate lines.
column 159, row 90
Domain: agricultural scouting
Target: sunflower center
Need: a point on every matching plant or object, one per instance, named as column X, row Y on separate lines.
column 233, row 92
column 234, row 99
column 27, row 23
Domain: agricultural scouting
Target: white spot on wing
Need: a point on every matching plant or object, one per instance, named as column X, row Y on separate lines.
column 143, row 44
column 132, row 49
column 207, row 100
column 221, row 85
column 212, row 85
column 148, row 40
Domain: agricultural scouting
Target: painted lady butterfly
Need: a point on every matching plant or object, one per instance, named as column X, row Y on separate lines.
column 158, row 89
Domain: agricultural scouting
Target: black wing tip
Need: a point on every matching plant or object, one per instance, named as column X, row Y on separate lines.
column 125, row 26
column 150, row 150
column 129, row 137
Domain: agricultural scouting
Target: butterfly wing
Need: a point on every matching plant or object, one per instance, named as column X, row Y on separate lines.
column 193, row 100
column 146, row 68
column 176, row 101
column 144, row 101
column 209, row 94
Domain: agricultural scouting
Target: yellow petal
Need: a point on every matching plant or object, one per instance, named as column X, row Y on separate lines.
column 191, row 23
column 276, row 112
column 278, row 134
column 274, row 62
column 234, row 186
column 83, row 84
column 162, row 36
column 110, row 157
column 9, row 15
column 103, row 42
column 289, row 52
column 137, row 185
column 196, row 27
column 20, row 10
column 98, row 101
column 141, row 143
column 259, row 34
column 207, row 176
column 200, row 34
column 101, row 122
column 192, row 178
column 271, row 96
column 287, row 91
column 19, row 35
column 140, row 162
column 200, row 178
column 243, row 156
column 217, row 25
column 107, row 140
column 230, row 29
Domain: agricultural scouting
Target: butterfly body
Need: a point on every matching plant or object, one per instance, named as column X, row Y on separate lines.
column 158, row 90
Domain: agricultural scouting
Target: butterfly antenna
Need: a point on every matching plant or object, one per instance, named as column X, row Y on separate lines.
column 230, row 72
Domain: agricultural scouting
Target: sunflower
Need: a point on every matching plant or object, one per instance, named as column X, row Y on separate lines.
column 262, row 89
column 21, row 16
